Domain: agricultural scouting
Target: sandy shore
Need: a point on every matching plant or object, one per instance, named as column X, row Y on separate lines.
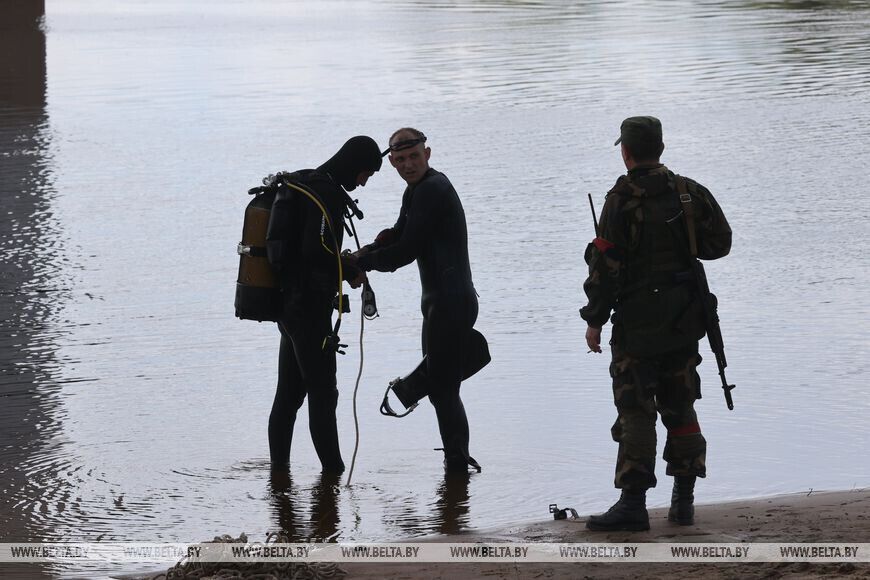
column 815, row 517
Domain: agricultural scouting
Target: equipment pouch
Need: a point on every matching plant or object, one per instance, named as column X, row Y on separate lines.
column 660, row 320
column 691, row 324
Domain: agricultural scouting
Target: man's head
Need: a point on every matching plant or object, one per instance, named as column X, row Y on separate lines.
column 641, row 139
column 357, row 160
column 409, row 154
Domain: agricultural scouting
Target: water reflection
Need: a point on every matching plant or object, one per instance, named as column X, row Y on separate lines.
column 448, row 512
column 289, row 504
column 322, row 513
column 451, row 505
column 29, row 288
column 22, row 55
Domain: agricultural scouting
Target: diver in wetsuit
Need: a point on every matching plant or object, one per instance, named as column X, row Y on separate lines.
column 431, row 229
column 303, row 252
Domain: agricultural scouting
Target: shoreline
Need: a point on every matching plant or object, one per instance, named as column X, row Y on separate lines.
column 814, row 517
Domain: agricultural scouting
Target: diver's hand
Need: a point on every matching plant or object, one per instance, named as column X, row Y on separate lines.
column 593, row 339
column 354, row 275
column 357, row 281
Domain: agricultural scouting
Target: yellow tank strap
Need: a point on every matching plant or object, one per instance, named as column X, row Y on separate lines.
column 337, row 252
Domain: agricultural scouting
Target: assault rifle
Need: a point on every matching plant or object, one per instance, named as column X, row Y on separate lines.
column 594, row 217
column 711, row 322
column 708, row 299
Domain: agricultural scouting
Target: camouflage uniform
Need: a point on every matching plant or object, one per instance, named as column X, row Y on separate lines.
column 638, row 270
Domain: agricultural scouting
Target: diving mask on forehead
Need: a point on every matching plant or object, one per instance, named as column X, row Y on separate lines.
column 405, row 144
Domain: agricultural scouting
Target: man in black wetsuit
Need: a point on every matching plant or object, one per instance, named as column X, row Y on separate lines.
column 302, row 249
column 431, row 229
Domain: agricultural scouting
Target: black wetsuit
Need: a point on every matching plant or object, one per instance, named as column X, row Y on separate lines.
column 304, row 254
column 431, row 229
column 309, row 282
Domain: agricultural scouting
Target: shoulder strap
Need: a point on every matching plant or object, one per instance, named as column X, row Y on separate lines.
column 689, row 212
column 330, row 340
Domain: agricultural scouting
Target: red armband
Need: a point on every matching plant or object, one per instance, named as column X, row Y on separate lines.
column 684, row 430
column 602, row 244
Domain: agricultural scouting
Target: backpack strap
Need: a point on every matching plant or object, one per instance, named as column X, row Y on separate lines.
column 689, row 212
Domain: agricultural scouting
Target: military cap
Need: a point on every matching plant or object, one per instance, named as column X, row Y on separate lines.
column 637, row 130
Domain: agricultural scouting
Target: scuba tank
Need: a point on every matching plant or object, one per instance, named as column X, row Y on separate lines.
column 266, row 249
column 258, row 294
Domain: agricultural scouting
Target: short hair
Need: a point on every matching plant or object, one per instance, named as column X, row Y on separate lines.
column 415, row 132
column 644, row 151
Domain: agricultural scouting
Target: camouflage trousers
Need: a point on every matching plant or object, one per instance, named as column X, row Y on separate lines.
column 667, row 384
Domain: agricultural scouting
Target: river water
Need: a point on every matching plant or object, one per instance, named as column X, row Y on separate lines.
column 134, row 404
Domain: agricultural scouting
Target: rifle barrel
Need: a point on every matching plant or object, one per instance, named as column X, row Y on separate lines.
column 594, row 217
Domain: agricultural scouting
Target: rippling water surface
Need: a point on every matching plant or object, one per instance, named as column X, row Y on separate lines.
column 134, row 405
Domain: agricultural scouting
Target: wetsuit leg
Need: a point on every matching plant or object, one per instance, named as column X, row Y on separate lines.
column 313, row 375
column 446, row 328
column 318, row 372
column 289, row 396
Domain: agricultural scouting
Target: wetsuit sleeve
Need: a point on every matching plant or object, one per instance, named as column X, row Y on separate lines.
column 605, row 257
column 399, row 226
column 714, row 232
column 413, row 228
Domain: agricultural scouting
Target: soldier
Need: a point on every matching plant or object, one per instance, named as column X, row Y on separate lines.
column 639, row 268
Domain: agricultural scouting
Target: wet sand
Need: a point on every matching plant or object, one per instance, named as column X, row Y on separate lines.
column 814, row 517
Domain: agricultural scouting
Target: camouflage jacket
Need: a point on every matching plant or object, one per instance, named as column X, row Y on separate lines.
column 618, row 248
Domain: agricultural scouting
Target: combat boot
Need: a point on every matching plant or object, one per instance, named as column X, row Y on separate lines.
column 682, row 501
column 628, row 514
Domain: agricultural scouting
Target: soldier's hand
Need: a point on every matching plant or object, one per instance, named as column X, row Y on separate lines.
column 593, row 339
